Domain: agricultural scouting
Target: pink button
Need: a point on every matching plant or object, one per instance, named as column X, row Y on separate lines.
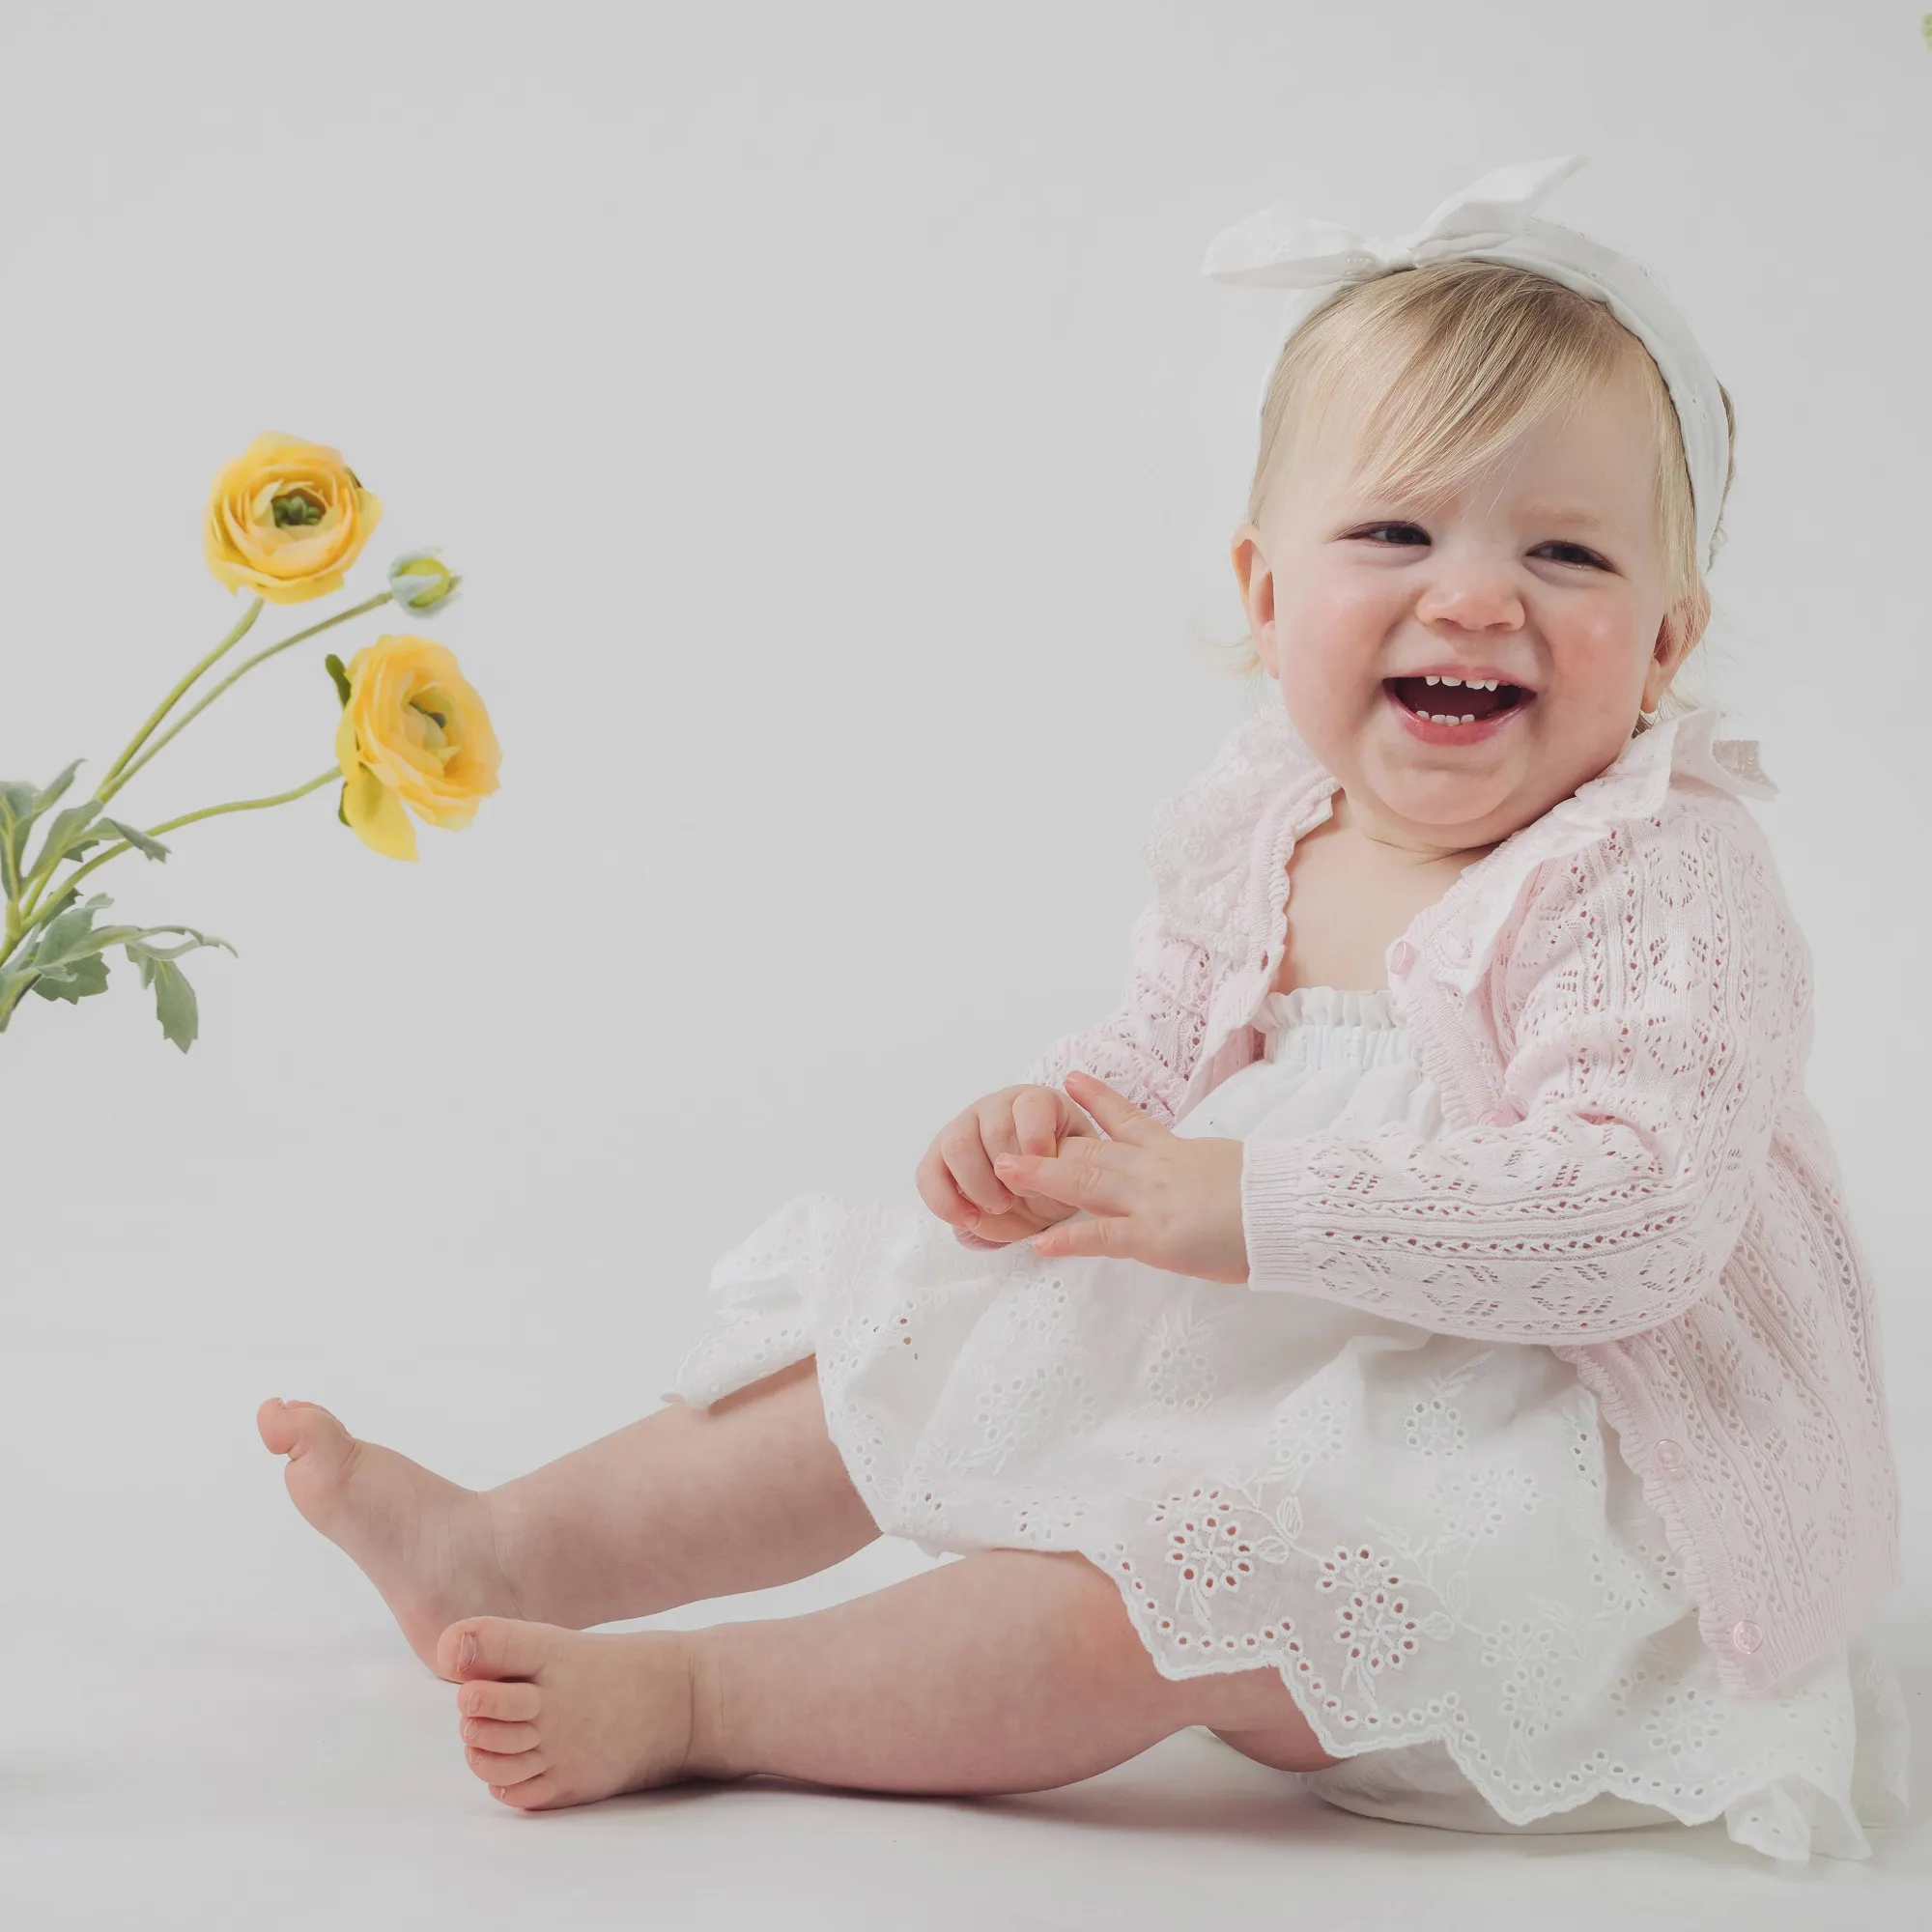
column 1670, row 1457
column 1747, row 1635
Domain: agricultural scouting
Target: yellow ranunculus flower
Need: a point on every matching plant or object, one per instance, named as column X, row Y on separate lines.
column 286, row 518
column 413, row 733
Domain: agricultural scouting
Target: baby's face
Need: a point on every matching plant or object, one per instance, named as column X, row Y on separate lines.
column 1546, row 572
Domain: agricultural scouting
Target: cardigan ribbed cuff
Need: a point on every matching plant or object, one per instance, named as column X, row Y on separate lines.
column 1279, row 1252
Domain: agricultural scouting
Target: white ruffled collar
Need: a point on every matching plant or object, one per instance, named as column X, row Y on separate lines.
column 1265, row 788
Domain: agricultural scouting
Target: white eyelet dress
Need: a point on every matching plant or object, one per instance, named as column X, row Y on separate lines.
column 1433, row 1539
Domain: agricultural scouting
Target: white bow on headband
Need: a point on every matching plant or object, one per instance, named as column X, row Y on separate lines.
column 1279, row 248
column 1493, row 219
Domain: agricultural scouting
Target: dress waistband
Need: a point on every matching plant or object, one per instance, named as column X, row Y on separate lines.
column 1333, row 1026
column 1328, row 1005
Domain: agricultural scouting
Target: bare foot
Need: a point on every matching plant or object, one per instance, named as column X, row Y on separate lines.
column 552, row 1717
column 427, row 1544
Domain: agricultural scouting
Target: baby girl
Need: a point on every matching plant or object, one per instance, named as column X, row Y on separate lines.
column 1418, row 1337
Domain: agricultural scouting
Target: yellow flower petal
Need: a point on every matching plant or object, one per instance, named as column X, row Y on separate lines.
column 376, row 816
column 345, row 747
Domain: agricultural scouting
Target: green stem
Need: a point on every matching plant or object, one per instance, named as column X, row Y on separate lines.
column 119, row 777
column 169, row 702
column 207, row 812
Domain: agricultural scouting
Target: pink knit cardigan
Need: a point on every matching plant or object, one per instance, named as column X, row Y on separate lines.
column 1615, row 1007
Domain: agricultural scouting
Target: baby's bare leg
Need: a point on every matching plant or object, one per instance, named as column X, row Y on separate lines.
column 686, row 1504
column 1013, row 1671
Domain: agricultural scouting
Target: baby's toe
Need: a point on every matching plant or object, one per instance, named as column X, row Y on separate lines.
column 510, row 1703
column 506, row 1738
column 304, row 1431
column 533, row 1794
column 497, row 1767
column 492, row 1647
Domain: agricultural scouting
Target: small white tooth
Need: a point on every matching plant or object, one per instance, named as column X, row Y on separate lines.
column 1484, row 683
column 1451, row 680
column 1431, row 680
column 1468, row 718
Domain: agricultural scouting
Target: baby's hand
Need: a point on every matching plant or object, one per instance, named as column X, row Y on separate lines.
column 956, row 1180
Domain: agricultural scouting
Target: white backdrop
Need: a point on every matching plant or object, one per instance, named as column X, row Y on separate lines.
column 842, row 450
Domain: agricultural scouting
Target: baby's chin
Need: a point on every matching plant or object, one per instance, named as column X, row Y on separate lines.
column 1448, row 801
column 1433, row 790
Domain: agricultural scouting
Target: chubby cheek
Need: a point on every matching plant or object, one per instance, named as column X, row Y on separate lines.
column 1598, row 650
column 1332, row 635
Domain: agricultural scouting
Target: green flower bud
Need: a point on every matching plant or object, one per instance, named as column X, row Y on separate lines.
column 420, row 582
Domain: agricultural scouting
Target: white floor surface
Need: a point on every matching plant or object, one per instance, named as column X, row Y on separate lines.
column 211, row 1723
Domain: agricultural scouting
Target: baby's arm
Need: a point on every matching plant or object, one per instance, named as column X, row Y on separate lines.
column 1660, row 1003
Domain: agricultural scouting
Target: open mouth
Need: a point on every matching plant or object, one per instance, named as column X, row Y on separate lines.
column 1443, row 704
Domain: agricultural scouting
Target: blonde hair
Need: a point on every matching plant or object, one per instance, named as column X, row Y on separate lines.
column 1459, row 358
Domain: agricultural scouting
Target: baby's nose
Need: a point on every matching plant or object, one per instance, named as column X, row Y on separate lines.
column 1471, row 600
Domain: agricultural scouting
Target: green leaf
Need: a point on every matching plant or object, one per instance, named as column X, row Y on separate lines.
column 342, row 799
column 57, row 787
column 17, row 818
column 64, row 827
column 62, row 899
column 175, row 1004
column 140, row 952
column 71, row 922
column 74, row 984
column 73, row 936
column 139, row 840
column 332, row 665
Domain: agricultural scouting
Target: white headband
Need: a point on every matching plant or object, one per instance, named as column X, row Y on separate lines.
column 1491, row 221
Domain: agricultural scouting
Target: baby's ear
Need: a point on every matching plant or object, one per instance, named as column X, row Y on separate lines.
column 1682, row 630
column 1254, row 576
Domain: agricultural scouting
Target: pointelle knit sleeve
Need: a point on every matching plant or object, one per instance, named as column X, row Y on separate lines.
column 1655, row 1005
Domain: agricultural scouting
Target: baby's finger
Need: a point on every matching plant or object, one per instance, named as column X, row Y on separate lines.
column 1035, row 1123
column 1080, row 1175
column 936, row 1189
column 972, row 1167
column 1109, row 1235
column 1002, row 1229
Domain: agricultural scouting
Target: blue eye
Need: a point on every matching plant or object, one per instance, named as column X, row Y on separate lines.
column 1408, row 533
column 1577, row 554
